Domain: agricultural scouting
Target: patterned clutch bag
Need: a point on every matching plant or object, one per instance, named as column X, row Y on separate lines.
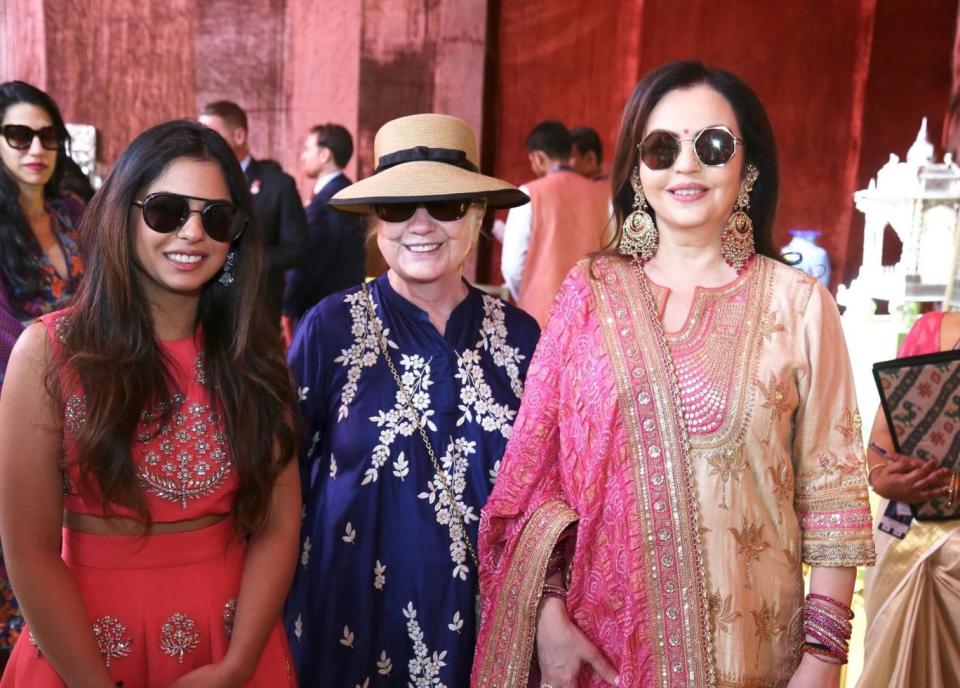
column 921, row 401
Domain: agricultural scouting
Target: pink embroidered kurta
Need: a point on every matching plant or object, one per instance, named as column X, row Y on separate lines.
column 686, row 567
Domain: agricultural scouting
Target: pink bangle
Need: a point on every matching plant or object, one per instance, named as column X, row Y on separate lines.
column 845, row 609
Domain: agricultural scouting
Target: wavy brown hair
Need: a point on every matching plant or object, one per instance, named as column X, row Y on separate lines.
column 110, row 349
column 759, row 145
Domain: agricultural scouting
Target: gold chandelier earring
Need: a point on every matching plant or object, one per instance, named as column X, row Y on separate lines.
column 640, row 237
column 736, row 242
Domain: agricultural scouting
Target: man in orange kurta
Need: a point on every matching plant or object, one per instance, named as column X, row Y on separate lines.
column 567, row 218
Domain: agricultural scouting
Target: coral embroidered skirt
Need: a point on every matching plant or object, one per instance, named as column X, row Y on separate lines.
column 160, row 606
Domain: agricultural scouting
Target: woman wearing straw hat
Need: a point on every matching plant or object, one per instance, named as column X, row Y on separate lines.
column 409, row 387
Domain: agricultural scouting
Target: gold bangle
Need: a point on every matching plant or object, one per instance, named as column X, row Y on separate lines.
column 870, row 473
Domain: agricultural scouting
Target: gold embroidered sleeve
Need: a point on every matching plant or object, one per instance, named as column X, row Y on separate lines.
column 831, row 495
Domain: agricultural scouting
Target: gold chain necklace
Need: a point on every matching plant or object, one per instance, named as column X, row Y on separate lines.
column 441, row 476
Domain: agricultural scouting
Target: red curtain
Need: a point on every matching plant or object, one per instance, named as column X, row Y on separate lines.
column 844, row 83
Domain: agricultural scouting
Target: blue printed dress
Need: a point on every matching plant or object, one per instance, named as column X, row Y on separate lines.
column 385, row 584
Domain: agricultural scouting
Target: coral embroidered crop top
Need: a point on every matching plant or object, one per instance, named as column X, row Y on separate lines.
column 182, row 457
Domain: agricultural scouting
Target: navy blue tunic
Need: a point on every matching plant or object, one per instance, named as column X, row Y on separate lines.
column 384, row 589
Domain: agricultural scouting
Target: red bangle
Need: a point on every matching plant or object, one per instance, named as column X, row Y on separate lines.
column 554, row 591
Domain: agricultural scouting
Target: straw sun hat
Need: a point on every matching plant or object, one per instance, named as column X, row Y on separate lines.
column 426, row 158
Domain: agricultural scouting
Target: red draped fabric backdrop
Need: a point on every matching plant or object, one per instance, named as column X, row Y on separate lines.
column 845, row 84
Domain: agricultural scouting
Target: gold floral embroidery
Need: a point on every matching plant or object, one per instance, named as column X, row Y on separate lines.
column 849, row 426
column 750, row 544
column 782, row 486
column 775, row 397
column 791, row 557
column 768, row 627
column 727, row 463
column 834, row 466
column 769, row 326
column 721, row 614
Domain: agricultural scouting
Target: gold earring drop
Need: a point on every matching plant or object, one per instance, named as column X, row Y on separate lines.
column 639, row 238
column 736, row 242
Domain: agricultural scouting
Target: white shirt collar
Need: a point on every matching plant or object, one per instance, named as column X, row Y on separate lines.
column 325, row 179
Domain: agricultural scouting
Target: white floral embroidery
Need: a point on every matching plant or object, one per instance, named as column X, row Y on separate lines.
column 400, row 420
column 351, row 534
column 494, row 472
column 347, row 639
column 401, row 467
column 313, row 444
column 363, row 353
column 454, row 464
column 298, row 627
column 384, row 665
column 425, row 667
column 477, row 404
column 379, row 575
column 305, row 557
column 302, row 393
column 493, row 338
column 333, row 467
column 457, row 623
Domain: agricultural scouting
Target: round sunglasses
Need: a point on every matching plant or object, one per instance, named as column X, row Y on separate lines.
column 20, row 136
column 166, row 212
column 444, row 211
column 714, row 147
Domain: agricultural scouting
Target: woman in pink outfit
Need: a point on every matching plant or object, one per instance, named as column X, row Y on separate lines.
column 688, row 436
column 148, row 505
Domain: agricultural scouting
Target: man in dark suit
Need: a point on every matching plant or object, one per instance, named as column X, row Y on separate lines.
column 276, row 203
column 335, row 256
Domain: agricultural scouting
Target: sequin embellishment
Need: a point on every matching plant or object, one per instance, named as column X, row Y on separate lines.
column 229, row 613
column 186, row 456
column 178, row 636
column 112, row 638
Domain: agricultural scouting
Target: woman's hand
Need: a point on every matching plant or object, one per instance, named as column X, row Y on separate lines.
column 815, row 673
column 216, row 675
column 563, row 649
column 906, row 479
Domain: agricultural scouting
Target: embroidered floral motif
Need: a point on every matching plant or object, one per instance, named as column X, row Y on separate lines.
column 493, row 338
column 834, row 467
column 384, row 665
column 364, row 351
column 400, row 420
column 425, row 666
column 379, row 575
column 112, row 638
column 200, row 370
column 457, row 624
column 454, row 463
column 750, row 544
column 178, row 636
column 305, row 554
column 850, row 428
column 187, row 458
column 775, row 398
column 347, row 638
column 729, row 463
column 476, row 397
column 721, row 612
column 769, row 326
column 298, row 627
column 494, row 472
column 229, row 614
column 768, row 628
column 782, row 478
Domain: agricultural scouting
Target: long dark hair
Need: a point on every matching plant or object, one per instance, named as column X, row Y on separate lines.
column 110, row 351
column 759, row 147
column 20, row 251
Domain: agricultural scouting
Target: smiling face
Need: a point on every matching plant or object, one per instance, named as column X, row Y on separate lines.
column 177, row 265
column 689, row 196
column 423, row 250
column 33, row 166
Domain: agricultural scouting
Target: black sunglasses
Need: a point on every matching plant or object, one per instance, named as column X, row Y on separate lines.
column 166, row 212
column 444, row 211
column 20, row 136
column 714, row 147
